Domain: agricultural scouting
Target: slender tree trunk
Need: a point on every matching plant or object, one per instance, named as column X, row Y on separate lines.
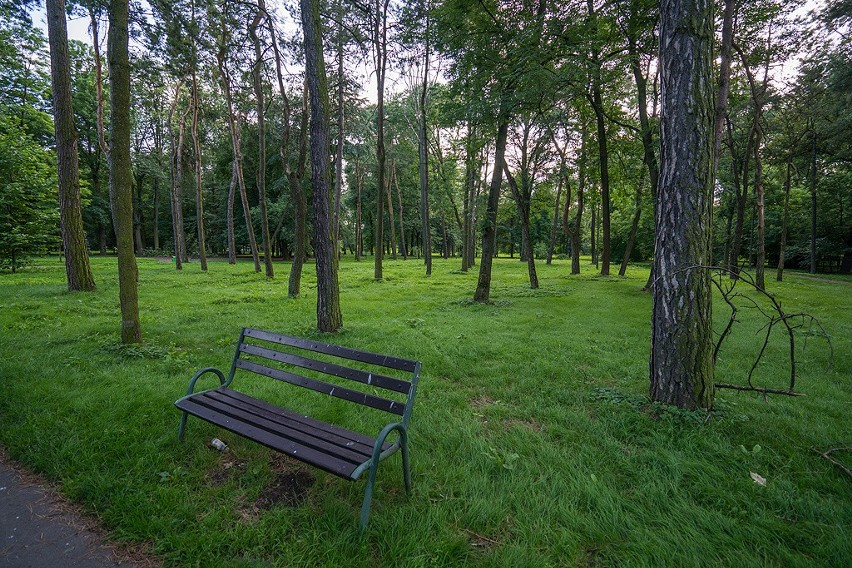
column 173, row 184
column 403, row 249
column 681, row 362
column 813, row 188
column 232, row 189
column 176, row 197
column 359, row 232
column 634, row 226
column 760, row 260
column 300, row 204
column 741, row 172
column 199, row 198
column 555, row 226
column 577, row 229
column 785, row 219
column 78, row 273
column 120, row 169
column 234, row 128
column 724, row 80
column 137, row 215
column 329, row 317
column 381, row 56
column 489, row 232
column 523, row 211
column 392, row 226
column 156, row 205
column 603, row 156
column 341, row 139
column 594, row 234
column 261, row 140
column 423, row 165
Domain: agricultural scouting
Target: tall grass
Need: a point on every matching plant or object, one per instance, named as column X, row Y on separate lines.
column 533, row 443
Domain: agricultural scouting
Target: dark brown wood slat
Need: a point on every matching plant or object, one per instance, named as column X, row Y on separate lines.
column 329, row 463
column 348, row 444
column 367, row 378
column 344, row 393
column 331, row 428
column 309, row 439
column 336, row 350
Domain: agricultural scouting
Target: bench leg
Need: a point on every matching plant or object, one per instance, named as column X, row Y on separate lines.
column 406, row 470
column 182, row 427
column 368, row 496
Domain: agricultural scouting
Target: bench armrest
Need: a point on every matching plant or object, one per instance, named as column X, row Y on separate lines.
column 378, row 454
column 197, row 376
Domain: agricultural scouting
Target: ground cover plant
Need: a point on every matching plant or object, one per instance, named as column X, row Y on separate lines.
column 532, row 440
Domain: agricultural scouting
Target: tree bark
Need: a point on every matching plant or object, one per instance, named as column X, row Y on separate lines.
column 634, row 226
column 329, row 317
column 77, row 270
column 813, row 188
column 403, row 248
column 489, row 232
column 120, row 168
column 724, row 80
column 522, row 200
column 603, row 157
column 681, row 362
column 380, row 54
column 555, row 226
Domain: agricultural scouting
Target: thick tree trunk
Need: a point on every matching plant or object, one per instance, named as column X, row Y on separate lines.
column 489, row 232
column 77, row 270
column 120, row 168
column 329, row 317
column 681, row 362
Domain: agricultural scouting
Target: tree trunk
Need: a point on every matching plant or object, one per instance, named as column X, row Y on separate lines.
column 359, row 236
column 634, row 226
column 120, row 168
column 232, row 189
column 785, row 219
column 577, row 229
column 724, row 80
column 740, row 172
column 233, row 127
column 392, row 226
column 341, row 139
column 489, row 232
column 403, row 249
column 423, row 164
column 199, row 198
column 380, row 53
column 813, row 188
column 329, row 317
column 261, row 140
column 524, row 212
column 176, row 196
column 593, row 230
column 137, row 215
column 555, row 226
column 603, row 156
column 681, row 362
column 77, row 270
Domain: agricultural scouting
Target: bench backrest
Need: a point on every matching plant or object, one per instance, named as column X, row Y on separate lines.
column 268, row 357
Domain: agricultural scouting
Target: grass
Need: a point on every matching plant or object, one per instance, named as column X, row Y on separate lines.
column 533, row 443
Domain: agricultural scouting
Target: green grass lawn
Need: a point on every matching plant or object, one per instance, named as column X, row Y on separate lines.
column 532, row 440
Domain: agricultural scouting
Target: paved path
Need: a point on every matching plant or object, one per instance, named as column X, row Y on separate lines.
column 38, row 530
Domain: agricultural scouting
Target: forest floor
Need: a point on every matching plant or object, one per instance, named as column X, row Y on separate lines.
column 533, row 442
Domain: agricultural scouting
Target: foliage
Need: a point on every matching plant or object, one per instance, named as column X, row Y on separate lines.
column 29, row 217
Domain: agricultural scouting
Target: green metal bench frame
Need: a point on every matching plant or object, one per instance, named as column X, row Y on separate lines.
column 328, row 447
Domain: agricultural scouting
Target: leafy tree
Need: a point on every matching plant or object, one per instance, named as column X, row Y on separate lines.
column 28, row 213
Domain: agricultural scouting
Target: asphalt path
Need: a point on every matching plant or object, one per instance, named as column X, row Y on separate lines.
column 40, row 530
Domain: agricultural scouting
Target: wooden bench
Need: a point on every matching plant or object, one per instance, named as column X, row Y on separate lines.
column 336, row 450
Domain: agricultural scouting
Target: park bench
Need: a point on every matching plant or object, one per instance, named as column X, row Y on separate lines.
column 326, row 446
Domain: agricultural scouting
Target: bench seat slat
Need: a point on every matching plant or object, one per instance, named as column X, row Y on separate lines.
column 381, row 381
column 337, row 351
column 344, row 393
column 290, row 420
column 329, row 462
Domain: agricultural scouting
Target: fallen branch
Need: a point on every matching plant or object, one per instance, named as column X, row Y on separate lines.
column 758, row 389
column 827, row 455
